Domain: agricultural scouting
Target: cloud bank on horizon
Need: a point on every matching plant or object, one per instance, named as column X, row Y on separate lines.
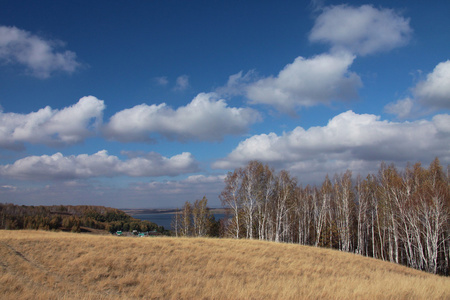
column 223, row 128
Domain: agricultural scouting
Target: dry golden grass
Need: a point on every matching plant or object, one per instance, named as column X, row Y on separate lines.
column 48, row 265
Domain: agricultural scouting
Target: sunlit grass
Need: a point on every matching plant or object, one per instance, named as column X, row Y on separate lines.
column 48, row 265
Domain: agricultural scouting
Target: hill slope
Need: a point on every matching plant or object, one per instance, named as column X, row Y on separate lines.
column 49, row 265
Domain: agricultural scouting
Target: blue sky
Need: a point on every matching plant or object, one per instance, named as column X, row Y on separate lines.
column 150, row 103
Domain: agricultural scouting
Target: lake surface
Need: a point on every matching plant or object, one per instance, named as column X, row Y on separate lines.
column 165, row 219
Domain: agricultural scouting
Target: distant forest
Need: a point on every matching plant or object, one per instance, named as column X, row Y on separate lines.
column 71, row 218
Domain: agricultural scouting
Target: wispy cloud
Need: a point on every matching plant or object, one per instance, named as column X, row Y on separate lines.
column 162, row 80
column 182, row 83
column 237, row 84
column 361, row 30
column 38, row 55
column 402, row 108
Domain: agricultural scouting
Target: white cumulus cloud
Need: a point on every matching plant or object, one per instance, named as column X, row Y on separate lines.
column 100, row 164
column 307, row 82
column 325, row 78
column 430, row 94
column 349, row 140
column 434, row 91
column 52, row 127
column 361, row 30
column 205, row 118
column 39, row 56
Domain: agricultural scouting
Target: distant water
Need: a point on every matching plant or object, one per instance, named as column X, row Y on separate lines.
column 165, row 219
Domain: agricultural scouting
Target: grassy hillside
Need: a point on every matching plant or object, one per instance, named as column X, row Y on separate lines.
column 50, row 265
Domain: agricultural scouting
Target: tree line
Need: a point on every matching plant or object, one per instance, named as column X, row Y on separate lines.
column 196, row 220
column 397, row 216
column 71, row 218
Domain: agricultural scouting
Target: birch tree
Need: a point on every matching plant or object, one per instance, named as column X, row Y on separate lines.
column 303, row 210
column 400, row 216
column 344, row 198
column 431, row 213
column 185, row 220
column 201, row 217
column 251, row 191
column 283, row 203
column 264, row 203
column 322, row 203
column 231, row 198
column 390, row 188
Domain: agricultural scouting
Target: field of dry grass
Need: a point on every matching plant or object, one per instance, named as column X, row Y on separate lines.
column 48, row 265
